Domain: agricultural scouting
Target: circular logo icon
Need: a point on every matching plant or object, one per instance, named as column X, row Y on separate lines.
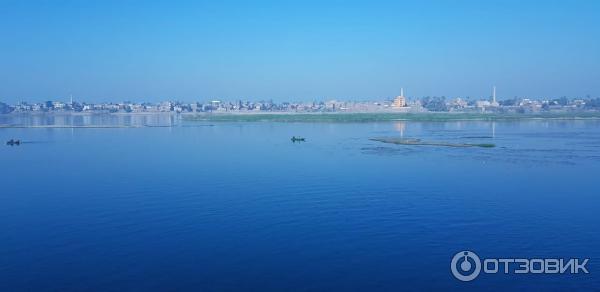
column 465, row 266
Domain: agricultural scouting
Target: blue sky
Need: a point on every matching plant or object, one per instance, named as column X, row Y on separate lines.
column 296, row 50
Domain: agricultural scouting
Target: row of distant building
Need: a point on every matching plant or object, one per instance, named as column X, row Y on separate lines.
column 492, row 104
column 398, row 104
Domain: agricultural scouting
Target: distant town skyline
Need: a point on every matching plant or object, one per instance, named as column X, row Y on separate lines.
column 400, row 104
column 260, row 50
column 492, row 96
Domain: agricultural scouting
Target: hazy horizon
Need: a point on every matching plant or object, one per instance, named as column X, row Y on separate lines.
column 297, row 51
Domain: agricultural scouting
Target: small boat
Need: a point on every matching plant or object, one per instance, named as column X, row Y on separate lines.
column 12, row 142
column 298, row 139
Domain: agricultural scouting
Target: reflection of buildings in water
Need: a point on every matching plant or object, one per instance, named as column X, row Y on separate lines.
column 77, row 120
column 144, row 120
column 493, row 129
column 86, row 120
column 37, row 120
column 63, row 120
column 152, row 119
column 400, row 127
column 125, row 120
column 165, row 120
column 92, row 119
column 50, row 120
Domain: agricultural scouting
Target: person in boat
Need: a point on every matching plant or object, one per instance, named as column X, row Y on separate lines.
column 13, row 142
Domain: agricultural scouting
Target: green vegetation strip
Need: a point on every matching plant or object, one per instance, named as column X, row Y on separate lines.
column 382, row 117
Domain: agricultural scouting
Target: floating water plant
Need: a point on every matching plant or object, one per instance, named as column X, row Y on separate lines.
column 403, row 141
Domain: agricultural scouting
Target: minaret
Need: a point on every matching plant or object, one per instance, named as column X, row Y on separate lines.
column 402, row 91
column 494, row 94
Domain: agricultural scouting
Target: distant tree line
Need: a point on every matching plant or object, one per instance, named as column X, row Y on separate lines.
column 509, row 102
column 593, row 103
column 5, row 108
column 434, row 104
